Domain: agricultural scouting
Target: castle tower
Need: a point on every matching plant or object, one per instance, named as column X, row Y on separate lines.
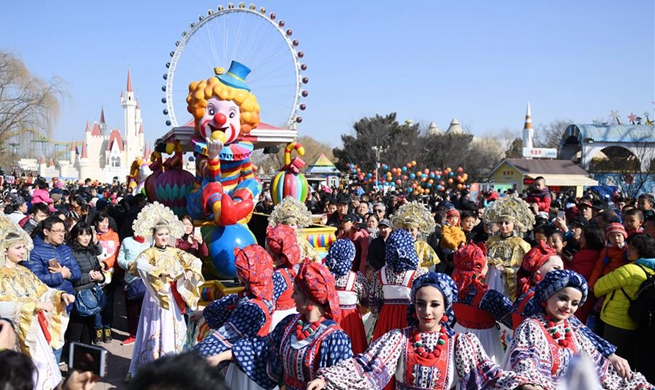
column 84, row 162
column 528, row 131
column 102, row 125
column 72, row 154
column 130, row 108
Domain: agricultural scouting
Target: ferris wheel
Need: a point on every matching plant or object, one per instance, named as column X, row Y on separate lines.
column 250, row 36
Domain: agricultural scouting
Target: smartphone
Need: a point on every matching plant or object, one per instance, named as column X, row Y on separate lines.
column 53, row 263
column 561, row 214
column 196, row 230
column 84, row 358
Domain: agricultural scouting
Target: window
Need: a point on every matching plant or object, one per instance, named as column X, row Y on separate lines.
column 115, row 161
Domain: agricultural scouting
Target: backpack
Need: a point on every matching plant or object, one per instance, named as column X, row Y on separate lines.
column 642, row 308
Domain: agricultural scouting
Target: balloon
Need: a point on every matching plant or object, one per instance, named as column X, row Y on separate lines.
column 408, row 165
column 431, row 175
column 426, row 171
column 438, row 177
column 459, row 186
column 430, row 181
column 427, row 191
column 173, row 187
column 223, row 240
column 442, row 183
column 409, row 190
column 288, row 183
column 404, row 177
column 450, row 181
column 412, row 176
column 404, row 169
column 429, row 184
column 398, row 182
column 413, row 163
column 451, row 174
column 460, row 169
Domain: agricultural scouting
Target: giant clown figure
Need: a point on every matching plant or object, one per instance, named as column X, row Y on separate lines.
column 225, row 186
column 224, row 109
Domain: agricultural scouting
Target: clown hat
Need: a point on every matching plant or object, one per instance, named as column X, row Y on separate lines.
column 236, row 76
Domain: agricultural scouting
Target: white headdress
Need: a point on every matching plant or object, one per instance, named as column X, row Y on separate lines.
column 416, row 215
column 290, row 208
column 154, row 216
column 10, row 234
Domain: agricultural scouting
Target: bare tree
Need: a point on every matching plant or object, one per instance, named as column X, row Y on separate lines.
column 26, row 101
column 549, row 135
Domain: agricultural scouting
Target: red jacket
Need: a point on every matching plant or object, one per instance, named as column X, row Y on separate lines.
column 583, row 263
column 541, row 198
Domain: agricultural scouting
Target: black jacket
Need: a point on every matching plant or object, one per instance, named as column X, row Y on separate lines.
column 87, row 259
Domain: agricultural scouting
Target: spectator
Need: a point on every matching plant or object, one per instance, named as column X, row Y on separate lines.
column 372, row 223
column 17, row 209
column 130, row 249
column 191, row 242
column 39, row 212
column 539, row 196
column 379, row 209
column 357, row 233
column 342, row 209
column 633, row 222
column 178, row 372
column 109, row 242
column 645, row 204
column 376, row 249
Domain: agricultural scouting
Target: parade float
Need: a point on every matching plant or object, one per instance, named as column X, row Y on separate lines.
column 263, row 65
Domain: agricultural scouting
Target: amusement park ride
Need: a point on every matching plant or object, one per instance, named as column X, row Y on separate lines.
column 262, row 67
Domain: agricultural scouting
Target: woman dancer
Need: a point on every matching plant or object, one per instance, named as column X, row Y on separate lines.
column 172, row 277
column 426, row 355
column 301, row 343
column 282, row 245
column 352, row 289
column 545, row 343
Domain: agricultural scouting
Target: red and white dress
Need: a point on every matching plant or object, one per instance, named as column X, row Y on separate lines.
column 352, row 289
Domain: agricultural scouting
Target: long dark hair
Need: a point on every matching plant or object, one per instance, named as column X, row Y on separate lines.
column 79, row 229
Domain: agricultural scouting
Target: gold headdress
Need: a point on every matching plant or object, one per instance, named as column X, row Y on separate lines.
column 290, row 210
column 415, row 215
column 10, row 234
column 513, row 208
column 157, row 215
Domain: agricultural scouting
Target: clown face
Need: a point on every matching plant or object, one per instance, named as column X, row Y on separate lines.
column 221, row 115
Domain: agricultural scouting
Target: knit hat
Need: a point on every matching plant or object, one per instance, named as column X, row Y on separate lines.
column 615, row 227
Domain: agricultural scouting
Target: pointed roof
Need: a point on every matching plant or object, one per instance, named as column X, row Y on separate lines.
column 115, row 136
column 96, row 129
column 454, row 127
column 140, row 128
column 528, row 118
column 322, row 165
column 129, row 81
column 122, row 94
column 51, row 162
column 87, row 127
column 433, row 129
column 85, row 153
column 42, row 160
column 146, row 152
column 102, row 115
column 72, row 146
column 137, row 104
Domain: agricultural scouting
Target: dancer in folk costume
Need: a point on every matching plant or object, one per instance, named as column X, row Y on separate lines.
column 38, row 311
column 246, row 314
column 352, row 289
column 544, row 344
column 506, row 250
column 300, row 344
column 282, row 245
column 417, row 220
column 428, row 354
column 391, row 287
column 172, row 277
column 537, row 263
column 479, row 308
column 293, row 213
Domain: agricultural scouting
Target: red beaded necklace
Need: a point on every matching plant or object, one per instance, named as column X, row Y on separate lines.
column 565, row 340
column 303, row 334
column 420, row 350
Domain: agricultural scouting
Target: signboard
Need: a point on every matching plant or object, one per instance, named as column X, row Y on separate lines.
column 539, row 153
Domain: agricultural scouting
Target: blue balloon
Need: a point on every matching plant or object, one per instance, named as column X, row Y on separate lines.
column 412, row 176
column 410, row 190
column 404, row 169
column 431, row 175
column 438, row 177
column 224, row 239
column 451, row 174
column 429, row 185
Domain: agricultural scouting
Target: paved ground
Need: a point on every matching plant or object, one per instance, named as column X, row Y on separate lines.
column 119, row 355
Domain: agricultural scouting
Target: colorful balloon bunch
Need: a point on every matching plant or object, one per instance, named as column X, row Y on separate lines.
column 421, row 181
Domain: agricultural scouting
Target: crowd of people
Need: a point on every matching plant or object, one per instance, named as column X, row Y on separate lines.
column 497, row 292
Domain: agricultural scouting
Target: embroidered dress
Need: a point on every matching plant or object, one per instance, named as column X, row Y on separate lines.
column 352, row 289
column 20, row 291
column 478, row 312
column 162, row 327
column 282, row 294
column 508, row 252
column 245, row 315
column 463, row 363
column 281, row 240
column 535, row 354
column 280, row 358
column 524, row 307
column 390, row 298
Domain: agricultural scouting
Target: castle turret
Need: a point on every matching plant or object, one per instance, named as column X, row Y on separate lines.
column 84, row 162
column 72, row 154
column 131, row 114
column 102, row 125
column 42, row 166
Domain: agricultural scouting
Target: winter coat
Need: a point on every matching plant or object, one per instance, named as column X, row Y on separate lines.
column 451, row 237
column 87, row 260
column 629, row 278
column 541, row 198
column 583, row 262
column 609, row 259
column 38, row 264
column 110, row 243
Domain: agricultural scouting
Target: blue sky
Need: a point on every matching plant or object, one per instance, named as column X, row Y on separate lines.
column 479, row 61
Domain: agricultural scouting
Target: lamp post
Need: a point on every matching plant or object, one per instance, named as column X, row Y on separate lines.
column 378, row 150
